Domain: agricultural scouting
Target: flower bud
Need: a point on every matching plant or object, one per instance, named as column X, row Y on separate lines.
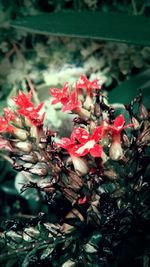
column 30, row 234
column 97, row 110
column 115, row 151
column 23, row 146
column 136, row 124
column 69, row 263
column 14, row 236
column 105, row 141
column 39, row 169
column 88, row 102
column 32, row 158
column 104, row 157
column 142, row 112
column 83, row 113
column 90, row 248
column 80, row 165
column 20, row 134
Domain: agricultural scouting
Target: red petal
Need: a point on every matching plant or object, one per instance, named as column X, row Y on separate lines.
column 65, row 89
column 97, row 133
column 4, row 126
column 73, row 96
column 71, row 106
column 96, row 151
column 9, row 115
column 80, row 134
column 38, row 108
column 119, row 122
column 55, row 92
column 95, row 84
column 67, row 107
column 65, row 142
column 83, row 82
column 128, row 125
column 82, row 200
column 22, row 100
column 55, row 101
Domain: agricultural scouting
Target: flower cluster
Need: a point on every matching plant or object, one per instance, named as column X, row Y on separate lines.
column 86, row 141
column 21, row 130
column 15, row 122
column 78, row 173
column 27, row 109
column 77, row 101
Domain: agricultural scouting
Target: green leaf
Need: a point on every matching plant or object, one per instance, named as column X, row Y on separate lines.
column 127, row 90
column 96, row 25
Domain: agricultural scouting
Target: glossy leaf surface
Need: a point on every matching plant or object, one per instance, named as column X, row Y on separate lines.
column 127, row 90
column 96, row 25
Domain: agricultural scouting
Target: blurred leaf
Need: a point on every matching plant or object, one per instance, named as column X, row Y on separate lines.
column 147, row 3
column 97, row 25
column 127, row 90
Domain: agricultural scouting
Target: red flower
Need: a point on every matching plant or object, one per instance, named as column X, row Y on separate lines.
column 115, row 150
column 27, row 108
column 4, row 126
column 22, row 100
column 60, row 96
column 73, row 102
column 80, row 165
column 13, row 117
column 67, row 144
column 86, row 84
column 88, row 144
column 118, row 126
column 82, row 201
column 9, row 115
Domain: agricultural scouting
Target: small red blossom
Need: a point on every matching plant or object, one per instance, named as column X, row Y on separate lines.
column 22, row 100
column 4, row 126
column 60, row 96
column 82, row 201
column 118, row 125
column 9, row 115
column 115, row 150
column 27, row 108
column 73, row 102
column 12, row 117
column 86, row 84
column 80, row 165
column 88, row 144
column 67, row 144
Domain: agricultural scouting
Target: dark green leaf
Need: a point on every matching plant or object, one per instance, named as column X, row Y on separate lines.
column 127, row 90
column 97, row 25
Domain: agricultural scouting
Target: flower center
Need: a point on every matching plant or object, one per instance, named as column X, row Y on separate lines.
column 88, row 146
